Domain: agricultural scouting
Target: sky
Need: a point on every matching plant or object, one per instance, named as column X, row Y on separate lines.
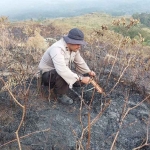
column 15, row 7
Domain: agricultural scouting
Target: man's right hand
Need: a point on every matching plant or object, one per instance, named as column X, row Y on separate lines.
column 85, row 80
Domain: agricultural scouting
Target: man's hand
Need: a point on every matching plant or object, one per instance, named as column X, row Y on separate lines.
column 92, row 73
column 85, row 80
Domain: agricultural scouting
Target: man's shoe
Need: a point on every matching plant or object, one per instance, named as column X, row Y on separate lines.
column 63, row 98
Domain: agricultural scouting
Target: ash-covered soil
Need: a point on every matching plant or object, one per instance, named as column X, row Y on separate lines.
column 50, row 125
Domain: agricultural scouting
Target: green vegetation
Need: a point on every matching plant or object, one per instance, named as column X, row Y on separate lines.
column 87, row 22
column 134, row 32
column 144, row 18
column 94, row 21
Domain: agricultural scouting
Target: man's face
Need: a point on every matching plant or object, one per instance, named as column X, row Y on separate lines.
column 74, row 47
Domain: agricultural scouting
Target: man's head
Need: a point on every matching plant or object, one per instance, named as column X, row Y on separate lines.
column 74, row 39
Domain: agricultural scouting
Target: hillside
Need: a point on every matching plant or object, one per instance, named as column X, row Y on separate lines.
column 86, row 22
column 94, row 21
column 32, row 118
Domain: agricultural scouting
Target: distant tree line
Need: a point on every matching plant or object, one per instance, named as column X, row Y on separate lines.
column 144, row 18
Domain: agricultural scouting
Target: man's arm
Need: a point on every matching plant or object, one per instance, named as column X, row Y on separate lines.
column 83, row 68
column 62, row 69
column 81, row 65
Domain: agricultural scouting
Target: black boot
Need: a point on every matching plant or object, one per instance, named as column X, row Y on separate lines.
column 64, row 99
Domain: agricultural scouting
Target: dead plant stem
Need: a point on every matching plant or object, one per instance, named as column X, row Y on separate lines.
column 91, row 124
column 120, row 76
column 114, row 61
column 147, row 137
column 24, row 137
column 23, row 115
column 124, row 116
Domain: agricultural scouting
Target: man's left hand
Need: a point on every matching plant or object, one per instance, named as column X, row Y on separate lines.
column 92, row 73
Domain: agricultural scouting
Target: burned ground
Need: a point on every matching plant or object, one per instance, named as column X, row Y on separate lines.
column 50, row 125
column 92, row 123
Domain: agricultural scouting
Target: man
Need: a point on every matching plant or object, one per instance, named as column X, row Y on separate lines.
column 56, row 61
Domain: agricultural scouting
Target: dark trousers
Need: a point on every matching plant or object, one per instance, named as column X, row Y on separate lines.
column 53, row 80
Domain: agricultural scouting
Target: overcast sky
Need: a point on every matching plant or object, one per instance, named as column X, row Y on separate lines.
column 13, row 8
column 14, row 5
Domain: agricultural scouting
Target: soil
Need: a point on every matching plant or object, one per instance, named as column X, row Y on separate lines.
column 50, row 125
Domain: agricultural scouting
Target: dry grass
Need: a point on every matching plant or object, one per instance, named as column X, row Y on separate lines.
column 21, row 62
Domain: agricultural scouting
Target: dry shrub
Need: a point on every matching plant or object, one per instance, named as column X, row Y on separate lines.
column 37, row 42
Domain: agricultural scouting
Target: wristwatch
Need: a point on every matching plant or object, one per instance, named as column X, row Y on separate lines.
column 80, row 78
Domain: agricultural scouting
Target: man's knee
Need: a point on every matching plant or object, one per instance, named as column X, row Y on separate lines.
column 49, row 77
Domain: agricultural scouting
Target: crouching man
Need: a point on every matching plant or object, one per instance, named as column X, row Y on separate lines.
column 56, row 61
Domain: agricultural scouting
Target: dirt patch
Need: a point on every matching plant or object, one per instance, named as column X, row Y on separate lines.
column 52, row 125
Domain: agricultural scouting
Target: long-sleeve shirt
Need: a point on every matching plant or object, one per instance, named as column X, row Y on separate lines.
column 59, row 57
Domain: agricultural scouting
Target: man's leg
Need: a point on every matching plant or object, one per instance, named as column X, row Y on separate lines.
column 59, row 84
column 53, row 80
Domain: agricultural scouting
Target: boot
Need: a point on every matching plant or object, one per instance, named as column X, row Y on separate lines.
column 64, row 99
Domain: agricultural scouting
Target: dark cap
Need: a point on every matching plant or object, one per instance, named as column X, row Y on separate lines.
column 75, row 36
